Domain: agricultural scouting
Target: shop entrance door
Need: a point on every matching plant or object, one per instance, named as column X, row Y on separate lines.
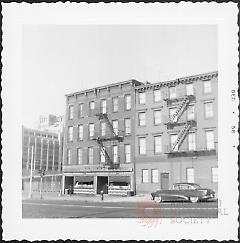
column 102, row 184
column 164, row 181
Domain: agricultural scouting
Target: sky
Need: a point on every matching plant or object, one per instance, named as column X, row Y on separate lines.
column 61, row 59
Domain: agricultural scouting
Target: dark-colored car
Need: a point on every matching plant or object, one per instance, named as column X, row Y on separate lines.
column 184, row 192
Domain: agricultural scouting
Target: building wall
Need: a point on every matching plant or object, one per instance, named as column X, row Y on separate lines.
column 47, row 152
column 87, row 118
column 161, row 161
column 177, row 172
column 119, row 90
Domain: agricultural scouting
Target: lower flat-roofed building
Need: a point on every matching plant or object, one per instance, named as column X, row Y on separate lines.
column 41, row 152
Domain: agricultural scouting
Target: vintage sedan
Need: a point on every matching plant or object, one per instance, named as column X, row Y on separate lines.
column 184, row 192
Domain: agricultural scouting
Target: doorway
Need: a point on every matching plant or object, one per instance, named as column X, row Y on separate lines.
column 102, row 184
column 68, row 182
column 164, row 181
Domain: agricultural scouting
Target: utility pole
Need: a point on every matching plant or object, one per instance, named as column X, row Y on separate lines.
column 42, row 173
column 41, row 186
column 31, row 172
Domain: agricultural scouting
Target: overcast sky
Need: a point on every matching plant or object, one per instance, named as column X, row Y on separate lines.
column 60, row 59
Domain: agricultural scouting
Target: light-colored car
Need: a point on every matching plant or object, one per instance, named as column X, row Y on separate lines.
column 184, row 192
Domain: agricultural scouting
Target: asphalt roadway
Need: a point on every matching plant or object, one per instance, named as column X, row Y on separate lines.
column 36, row 208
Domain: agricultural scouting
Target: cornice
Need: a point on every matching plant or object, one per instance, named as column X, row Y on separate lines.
column 183, row 80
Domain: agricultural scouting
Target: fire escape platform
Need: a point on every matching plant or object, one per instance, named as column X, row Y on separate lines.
column 193, row 153
column 171, row 125
column 180, row 99
column 107, row 139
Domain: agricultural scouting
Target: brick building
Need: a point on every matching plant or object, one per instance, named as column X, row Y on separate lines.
column 134, row 136
column 99, row 139
column 176, row 132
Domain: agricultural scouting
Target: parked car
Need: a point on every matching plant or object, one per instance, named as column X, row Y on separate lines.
column 184, row 192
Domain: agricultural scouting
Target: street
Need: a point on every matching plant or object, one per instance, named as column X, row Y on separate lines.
column 37, row 208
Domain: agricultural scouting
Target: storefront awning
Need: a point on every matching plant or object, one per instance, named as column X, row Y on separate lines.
column 83, row 178
column 119, row 179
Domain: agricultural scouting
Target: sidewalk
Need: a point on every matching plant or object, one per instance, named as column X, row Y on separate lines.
column 87, row 198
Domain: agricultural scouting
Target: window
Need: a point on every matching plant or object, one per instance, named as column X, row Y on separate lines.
column 172, row 93
column 154, row 176
column 127, row 125
column 189, row 89
column 210, row 139
column 103, row 106
column 157, row 144
column 208, row 107
column 90, row 155
column 70, row 112
column 70, row 134
column 142, row 119
column 173, row 139
column 91, row 107
column 79, row 156
column 190, row 175
column 127, row 102
column 115, row 127
column 127, row 150
column 191, row 113
column 142, row 98
column 142, row 146
column 80, row 132
column 172, row 112
column 69, row 156
column 157, row 95
column 215, row 174
column 103, row 129
column 103, row 155
column 80, row 110
column 207, row 88
column 115, row 154
column 91, row 130
column 145, row 176
column 157, row 117
column 192, row 141
column 115, row 104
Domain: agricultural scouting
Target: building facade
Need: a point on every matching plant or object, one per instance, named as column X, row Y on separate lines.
column 44, row 150
column 99, row 139
column 176, row 133
column 139, row 137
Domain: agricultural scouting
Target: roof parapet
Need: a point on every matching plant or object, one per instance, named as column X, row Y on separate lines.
column 133, row 82
column 177, row 81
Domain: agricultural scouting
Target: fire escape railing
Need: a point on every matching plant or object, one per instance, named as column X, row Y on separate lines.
column 181, row 136
column 113, row 137
column 174, row 120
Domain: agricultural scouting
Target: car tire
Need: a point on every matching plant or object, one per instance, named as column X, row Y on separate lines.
column 193, row 199
column 158, row 199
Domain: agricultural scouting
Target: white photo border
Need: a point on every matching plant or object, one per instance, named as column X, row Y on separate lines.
column 15, row 16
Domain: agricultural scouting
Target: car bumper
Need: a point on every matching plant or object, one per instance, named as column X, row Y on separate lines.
column 209, row 197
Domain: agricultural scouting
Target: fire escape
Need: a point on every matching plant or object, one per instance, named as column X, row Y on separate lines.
column 113, row 137
column 174, row 120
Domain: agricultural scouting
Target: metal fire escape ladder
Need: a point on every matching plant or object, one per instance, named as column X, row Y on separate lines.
column 104, row 116
column 180, row 108
column 104, row 151
column 181, row 136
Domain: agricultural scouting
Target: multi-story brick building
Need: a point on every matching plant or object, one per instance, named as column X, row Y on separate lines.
column 176, row 132
column 133, row 136
column 99, row 139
